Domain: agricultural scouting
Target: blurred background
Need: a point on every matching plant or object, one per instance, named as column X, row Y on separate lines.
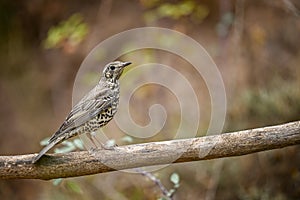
column 255, row 45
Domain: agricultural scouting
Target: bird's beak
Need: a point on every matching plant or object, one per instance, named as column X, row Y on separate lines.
column 126, row 64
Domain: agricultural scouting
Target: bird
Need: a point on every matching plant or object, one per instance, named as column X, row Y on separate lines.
column 93, row 111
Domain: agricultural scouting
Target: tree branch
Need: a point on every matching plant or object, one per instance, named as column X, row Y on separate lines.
column 149, row 154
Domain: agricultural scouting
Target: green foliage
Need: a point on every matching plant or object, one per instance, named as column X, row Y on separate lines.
column 174, row 178
column 57, row 181
column 279, row 102
column 127, row 139
column 74, row 187
column 72, row 31
column 68, row 146
column 176, row 11
column 162, row 198
column 44, row 142
column 187, row 8
column 78, row 143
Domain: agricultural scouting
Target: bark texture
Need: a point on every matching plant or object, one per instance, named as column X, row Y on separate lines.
column 150, row 154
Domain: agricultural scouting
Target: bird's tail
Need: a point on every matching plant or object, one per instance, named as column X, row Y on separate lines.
column 44, row 150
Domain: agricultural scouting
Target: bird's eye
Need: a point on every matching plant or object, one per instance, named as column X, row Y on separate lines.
column 112, row 67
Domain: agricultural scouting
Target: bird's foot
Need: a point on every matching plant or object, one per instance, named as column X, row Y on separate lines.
column 109, row 145
column 92, row 150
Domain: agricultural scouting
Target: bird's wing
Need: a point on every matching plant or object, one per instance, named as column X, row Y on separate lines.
column 91, row 105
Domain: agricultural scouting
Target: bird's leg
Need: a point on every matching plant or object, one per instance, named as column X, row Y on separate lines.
column 95, row 141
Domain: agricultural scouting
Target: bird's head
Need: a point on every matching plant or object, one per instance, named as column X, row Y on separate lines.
column 114, row 70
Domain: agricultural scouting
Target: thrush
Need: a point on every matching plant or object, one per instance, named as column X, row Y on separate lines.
column 94, row 110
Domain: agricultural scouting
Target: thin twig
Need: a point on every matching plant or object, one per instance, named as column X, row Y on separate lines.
column 157, row 182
